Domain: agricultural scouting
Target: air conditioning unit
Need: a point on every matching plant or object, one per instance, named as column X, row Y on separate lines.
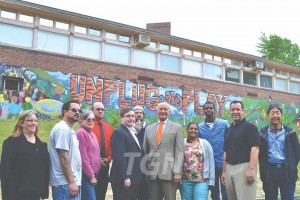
column 258, row 65
column 141, row 40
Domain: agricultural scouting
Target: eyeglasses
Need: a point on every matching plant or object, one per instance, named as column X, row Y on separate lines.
column 90, row 119
column 98, row 109
column 75, row 110
column 32, row 120
column 129, row 116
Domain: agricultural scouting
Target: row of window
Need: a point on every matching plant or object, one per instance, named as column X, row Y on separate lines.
column 124, row 54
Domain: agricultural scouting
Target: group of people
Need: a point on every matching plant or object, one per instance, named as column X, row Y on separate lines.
column 149, row 162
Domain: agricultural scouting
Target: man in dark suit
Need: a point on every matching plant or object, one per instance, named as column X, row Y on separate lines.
column 164, row 147
column 126, row 175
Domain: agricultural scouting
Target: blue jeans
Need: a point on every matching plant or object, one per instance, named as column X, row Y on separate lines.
column 215, row 191
column 191, row 190
column 62, row 193
column 88, row 190
column 277, row 181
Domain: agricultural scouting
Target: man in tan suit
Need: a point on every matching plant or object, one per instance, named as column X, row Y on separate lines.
column 163, row 146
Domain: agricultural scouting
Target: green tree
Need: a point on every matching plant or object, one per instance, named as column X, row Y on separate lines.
column 279, row 49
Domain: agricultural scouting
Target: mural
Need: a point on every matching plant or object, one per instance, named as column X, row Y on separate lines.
column 46, row 91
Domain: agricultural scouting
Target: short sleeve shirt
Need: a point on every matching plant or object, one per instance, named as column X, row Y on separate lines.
column 239, row 139
column 63, row 137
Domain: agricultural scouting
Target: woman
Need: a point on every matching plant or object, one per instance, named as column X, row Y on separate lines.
column 198, row 168
column 25, row 162
column 90, row 155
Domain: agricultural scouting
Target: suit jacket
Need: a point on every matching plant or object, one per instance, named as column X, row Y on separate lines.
column 125, row 150
column 166, row 158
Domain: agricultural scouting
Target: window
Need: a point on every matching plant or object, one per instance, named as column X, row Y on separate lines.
column 246, row 64
column 227, row 60
column 10, row 34
column 152, row 45
column 117, row 54
column 197, row 54
column 9, row 15
column 236, row 62
column 111, row 36
column 232, row 75
column 46, row 22
column 169, row 63
column 208, row 56
column 295, row 87
column 191, row 67
column 86, row 48
column 94, row 32
column 249, row 78
column 26, row 18
column 144, row 59
column 175, row 49
column 164, row 47
column 10, row 83
column 266, row 81
column 280, row 84
column 124, row 38
column 291, row 74
column 53, row 42
column 212, row 71
column 268, row 69
column 80, row 29
column 187, row 52
column 282, row 72
column 61, row 25
column 217, row 58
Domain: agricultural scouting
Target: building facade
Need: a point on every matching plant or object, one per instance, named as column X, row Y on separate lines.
column 49, row 56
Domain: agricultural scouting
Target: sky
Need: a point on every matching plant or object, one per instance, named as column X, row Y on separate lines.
column 231, row 24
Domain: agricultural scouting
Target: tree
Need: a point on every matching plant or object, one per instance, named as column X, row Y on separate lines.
column 279, row 49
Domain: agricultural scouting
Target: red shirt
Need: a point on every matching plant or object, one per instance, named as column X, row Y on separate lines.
column 108, row 130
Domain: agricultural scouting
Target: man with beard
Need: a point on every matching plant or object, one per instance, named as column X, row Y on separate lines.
column 103, row 131
column 164, row 146
column 278, row 156
column 213, row 130
column 126, row 174
column 241, row 149
column 65, row 168
column 140, row 127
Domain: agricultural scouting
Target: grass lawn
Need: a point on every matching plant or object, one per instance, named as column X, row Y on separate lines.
column 45, row 127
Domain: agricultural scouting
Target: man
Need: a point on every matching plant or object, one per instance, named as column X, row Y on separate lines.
column 278, row 157
column 103, row 131
column 140, row 127
column 140, row 124
column 65, row 168
column 126, row 175
column 213, row 130
column 241, row 149
column 163, row 142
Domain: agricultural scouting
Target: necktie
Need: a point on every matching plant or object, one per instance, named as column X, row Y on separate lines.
column 159, row 132
column 102, row 145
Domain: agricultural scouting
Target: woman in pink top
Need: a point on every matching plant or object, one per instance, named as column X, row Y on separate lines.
column 90, row 155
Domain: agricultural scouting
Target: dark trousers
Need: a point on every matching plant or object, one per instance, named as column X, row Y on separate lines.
column 27, row 196
column 122, row 193
column 143, row 192
column 277, row 181
column 215, row 191
column 102, row 183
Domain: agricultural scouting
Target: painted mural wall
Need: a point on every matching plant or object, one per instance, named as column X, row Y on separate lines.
column 46, row 91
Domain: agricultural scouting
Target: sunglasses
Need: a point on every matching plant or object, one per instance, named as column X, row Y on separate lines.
column 90, row 119
column 98, row 109
column 75, row 110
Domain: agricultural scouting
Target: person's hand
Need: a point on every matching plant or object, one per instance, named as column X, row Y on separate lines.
column 223, row 178
column 104, row 162
column 138, row 126
column 127, row 183
column 73, row 188
column 250, row 176
column 93, row 181
column 177, row 178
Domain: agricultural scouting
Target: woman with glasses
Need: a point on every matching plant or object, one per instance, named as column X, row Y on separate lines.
column 90, row 155
column 199, row 166
column 25, row 161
